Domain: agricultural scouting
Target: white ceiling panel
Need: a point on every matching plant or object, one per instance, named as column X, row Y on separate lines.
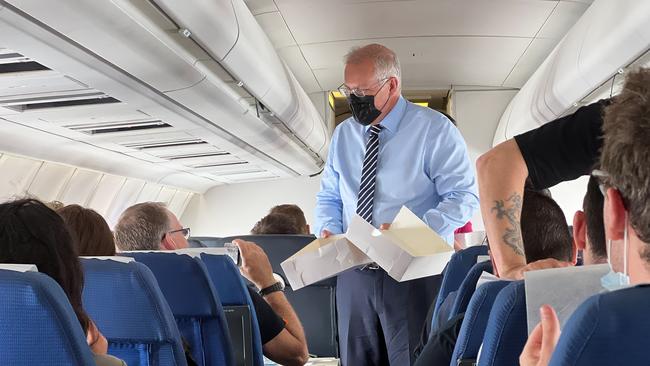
column 126, row 197
column 260, row 6
column 17, row 174
column 300, row 68
column 177, row 203
column 36, row 82
column 49, row 181
column 149, row 192
column 316, row 21
column 530, row 61
column 566, row 14
column 430, row 62
column 275, row 28
column 166, row 195
column 80, row 187
column 106, row 190
column 99, row 113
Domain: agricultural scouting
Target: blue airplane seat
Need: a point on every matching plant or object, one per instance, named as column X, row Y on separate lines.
column 39, row 326
column 233, row 292
column 468, row 286
column 315, row 304
column 471, row 332
column 454, row 274
column 607, row 329
column 507, row 329
column 194, row 301
column 125, row 302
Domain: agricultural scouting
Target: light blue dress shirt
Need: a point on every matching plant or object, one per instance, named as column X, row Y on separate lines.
column 423, row 165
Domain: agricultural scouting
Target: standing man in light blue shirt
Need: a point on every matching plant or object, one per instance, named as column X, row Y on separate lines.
column 390, row 154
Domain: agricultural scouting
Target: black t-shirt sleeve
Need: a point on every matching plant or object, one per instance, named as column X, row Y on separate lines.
column 270, row 323
column 563, row 149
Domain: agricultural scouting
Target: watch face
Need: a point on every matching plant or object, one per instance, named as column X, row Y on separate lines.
column 279, row 279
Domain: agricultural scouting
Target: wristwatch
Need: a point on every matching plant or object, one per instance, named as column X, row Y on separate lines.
column 278, row 286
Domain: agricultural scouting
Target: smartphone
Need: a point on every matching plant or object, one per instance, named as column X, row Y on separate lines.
column 233, row 252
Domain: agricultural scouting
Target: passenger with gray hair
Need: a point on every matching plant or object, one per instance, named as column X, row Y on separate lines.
column 389, row 154
column 151, row 226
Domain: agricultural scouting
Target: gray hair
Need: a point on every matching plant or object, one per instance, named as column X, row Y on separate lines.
column 142, row 227
column 385, row 60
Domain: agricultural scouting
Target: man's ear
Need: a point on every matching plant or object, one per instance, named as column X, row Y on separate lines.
column 614, row 214
column 167, row 243
column 307, row 229
column 579, row 234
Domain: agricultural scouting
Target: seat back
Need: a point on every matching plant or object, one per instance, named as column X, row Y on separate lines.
column 607, row 329
column 477, row 313
column 315, row 304
column 457, row 268
column 125, row 302
column 39, row 326
column 468, row 286
column 507, row 330
column 233, row 293
column 194, row 301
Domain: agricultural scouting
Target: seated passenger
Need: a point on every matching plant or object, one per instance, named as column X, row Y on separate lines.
column 283, row 219
column 31, row 233
column 588, row 228
column 546, row 235
column 277, row 223
column 151, row 226
column 624, row 177
column 90, row 232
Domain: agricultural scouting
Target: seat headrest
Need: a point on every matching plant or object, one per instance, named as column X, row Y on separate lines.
column 19, row 267
column 607, row 329
column 187, row 287
column 115, row 258
column 34, row 307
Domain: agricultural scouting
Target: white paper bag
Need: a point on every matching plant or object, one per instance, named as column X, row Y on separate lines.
column 321, row 259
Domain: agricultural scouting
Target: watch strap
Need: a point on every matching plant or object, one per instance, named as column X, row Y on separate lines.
column 271, row 289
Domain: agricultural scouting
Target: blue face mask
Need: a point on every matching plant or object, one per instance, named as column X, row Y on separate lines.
column 616, row 280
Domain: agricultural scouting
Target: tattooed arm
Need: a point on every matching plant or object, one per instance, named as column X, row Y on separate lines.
column 501, row 175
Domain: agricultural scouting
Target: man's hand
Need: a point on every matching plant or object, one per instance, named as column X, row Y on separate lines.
column 542, row 341
column 255, row 264
column 325, row 234
column 384, row 226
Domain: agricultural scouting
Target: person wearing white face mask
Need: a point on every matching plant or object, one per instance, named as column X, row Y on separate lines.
column 625, row 179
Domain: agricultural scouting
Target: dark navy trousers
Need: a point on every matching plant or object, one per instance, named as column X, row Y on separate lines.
column 380, row 319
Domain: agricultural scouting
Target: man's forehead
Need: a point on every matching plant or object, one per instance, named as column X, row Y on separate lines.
column 360, row 75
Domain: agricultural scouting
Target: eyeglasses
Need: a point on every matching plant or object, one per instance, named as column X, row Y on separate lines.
column 347, row 92
column 185, row 231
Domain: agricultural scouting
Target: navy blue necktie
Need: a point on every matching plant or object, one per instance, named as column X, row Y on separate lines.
column 368, row 173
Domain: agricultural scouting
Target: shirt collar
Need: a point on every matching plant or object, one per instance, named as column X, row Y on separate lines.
column 393, row 118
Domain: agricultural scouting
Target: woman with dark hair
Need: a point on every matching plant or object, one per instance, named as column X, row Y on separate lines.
column 90, row 232
column 31, row 233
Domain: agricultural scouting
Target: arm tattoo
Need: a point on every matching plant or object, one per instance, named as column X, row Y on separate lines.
column 512, row 213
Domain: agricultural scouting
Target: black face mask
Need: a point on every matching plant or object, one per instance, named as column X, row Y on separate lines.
column 363, row 109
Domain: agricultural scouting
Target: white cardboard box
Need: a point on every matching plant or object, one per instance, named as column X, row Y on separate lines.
column 407, row 251
column 321, row 259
